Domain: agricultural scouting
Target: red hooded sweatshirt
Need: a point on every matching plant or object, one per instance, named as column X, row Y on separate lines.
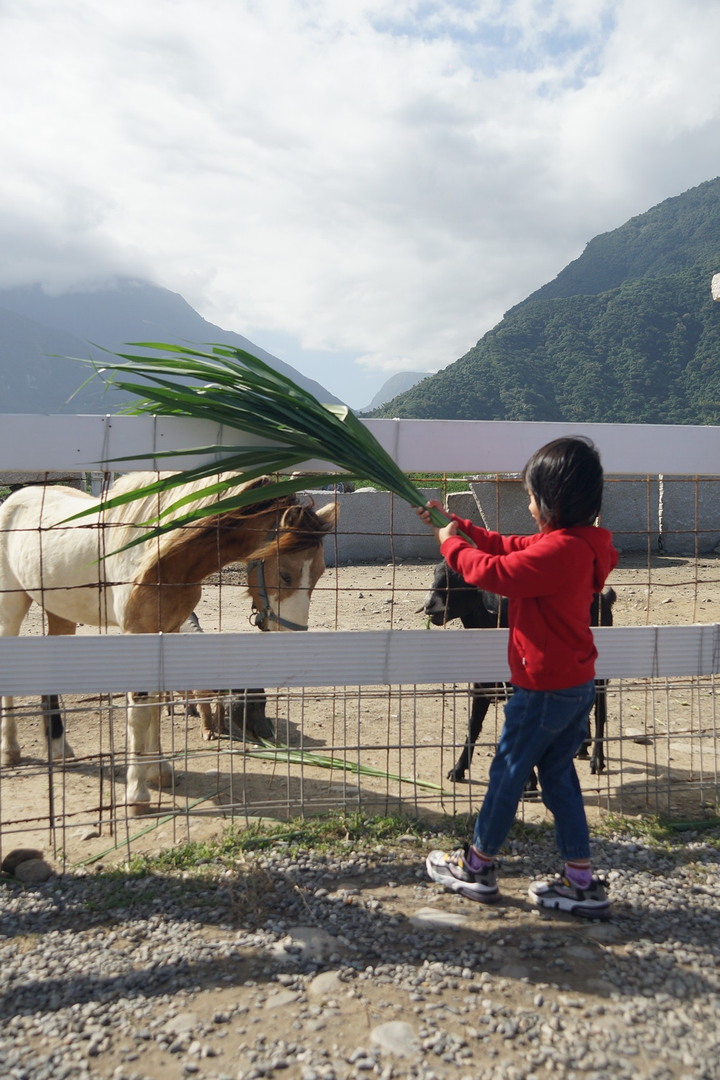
column 549, row 579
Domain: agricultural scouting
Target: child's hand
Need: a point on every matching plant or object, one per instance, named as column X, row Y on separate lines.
column 441, row 534
column 423, row 512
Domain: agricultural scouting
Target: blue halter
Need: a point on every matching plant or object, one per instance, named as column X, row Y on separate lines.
column 259, row 618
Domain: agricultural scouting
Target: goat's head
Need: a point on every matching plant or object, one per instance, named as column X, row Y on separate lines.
column 449, row 597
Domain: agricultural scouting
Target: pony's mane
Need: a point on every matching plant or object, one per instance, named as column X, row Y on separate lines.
column 299, row 528
column 297, row 525
column 148, row 506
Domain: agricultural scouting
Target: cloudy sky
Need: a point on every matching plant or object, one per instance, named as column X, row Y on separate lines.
column 359, row 186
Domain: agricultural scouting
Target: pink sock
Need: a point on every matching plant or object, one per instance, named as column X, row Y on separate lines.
column 475, row 861
column 580, row 876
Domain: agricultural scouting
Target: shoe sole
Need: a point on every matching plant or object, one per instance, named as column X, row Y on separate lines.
column 560, row 903
column 465, row 889
column 482, row 898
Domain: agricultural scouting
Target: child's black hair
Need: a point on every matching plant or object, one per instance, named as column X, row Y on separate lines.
column 566, row 478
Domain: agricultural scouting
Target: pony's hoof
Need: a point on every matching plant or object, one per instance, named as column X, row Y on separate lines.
column 61, row 750
column 162, row 775
column 10, row 758
column 209, row 735
column 138, row 809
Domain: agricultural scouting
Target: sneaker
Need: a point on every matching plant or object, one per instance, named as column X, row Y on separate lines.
column 562, row 895
column 452, row 871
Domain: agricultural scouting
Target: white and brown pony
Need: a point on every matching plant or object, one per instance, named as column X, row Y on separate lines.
column 77, row 573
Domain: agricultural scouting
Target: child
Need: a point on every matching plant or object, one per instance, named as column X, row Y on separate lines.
column 549, row 578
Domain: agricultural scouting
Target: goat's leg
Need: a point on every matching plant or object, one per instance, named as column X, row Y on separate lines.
column 483, row 695
column 145, row 762
column 531, row 784
column 584, row 751
column 478, row 712
column 597, row 761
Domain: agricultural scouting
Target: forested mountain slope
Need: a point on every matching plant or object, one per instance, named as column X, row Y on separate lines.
column 628, row 332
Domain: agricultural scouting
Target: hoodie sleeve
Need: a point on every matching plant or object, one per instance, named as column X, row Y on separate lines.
column 493, row 543
column 517, row 566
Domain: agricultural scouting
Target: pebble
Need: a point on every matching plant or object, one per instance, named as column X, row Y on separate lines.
column 33, row 871
column 437, row 917
column 306, row 979
column 398, row 1037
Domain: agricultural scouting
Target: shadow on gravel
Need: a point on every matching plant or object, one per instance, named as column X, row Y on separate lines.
column 140, row 936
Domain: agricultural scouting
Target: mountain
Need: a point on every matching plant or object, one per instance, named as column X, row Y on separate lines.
column 396, row 384
column 38, row 331
column 626, row 333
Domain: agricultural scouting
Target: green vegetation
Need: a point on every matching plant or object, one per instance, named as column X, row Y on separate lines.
column 331, row 832
column 447, row 482
column 189, row 874
column 338, row 831
column 627, row 333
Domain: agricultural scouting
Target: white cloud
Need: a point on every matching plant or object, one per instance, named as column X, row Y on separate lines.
column 365, row 179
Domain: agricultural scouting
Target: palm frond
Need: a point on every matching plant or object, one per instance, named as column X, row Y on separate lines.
column 295, row 756
column 230, row 386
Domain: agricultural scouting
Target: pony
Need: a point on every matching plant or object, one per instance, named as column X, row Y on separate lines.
column 78, row 572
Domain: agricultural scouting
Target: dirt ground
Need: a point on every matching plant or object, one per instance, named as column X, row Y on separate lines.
column 662, row 746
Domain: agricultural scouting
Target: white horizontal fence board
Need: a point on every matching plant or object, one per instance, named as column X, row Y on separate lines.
column 36, row 443
column 657, row 651
column 33, row 443
column 115, row 663
column 505, row 446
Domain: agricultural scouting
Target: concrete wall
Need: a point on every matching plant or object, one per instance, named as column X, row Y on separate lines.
column 656, row 515
column 374, row 525
column 19, row 479
column 689, row 515
column 674, row 515
column 503, row 505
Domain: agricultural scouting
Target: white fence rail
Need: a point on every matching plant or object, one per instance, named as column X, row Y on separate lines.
column 112, row 664
column 83, row 443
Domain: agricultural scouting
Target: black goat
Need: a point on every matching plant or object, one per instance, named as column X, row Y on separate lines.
column 452, row 598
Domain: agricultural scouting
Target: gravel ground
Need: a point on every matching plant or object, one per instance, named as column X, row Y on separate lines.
column 316, row 966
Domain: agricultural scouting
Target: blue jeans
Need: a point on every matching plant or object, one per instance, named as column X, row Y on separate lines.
column 544, row 729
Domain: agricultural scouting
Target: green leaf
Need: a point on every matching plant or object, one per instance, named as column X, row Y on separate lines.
column 230, row 387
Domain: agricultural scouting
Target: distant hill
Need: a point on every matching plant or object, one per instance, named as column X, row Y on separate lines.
column 628, row 332
column 37, row 331
column 396, row 384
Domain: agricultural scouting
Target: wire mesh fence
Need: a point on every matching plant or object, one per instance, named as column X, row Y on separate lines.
column 382, row 748
column 379, row 748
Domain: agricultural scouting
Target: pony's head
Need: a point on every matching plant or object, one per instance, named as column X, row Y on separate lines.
column 280, row 539
column 283, row 573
